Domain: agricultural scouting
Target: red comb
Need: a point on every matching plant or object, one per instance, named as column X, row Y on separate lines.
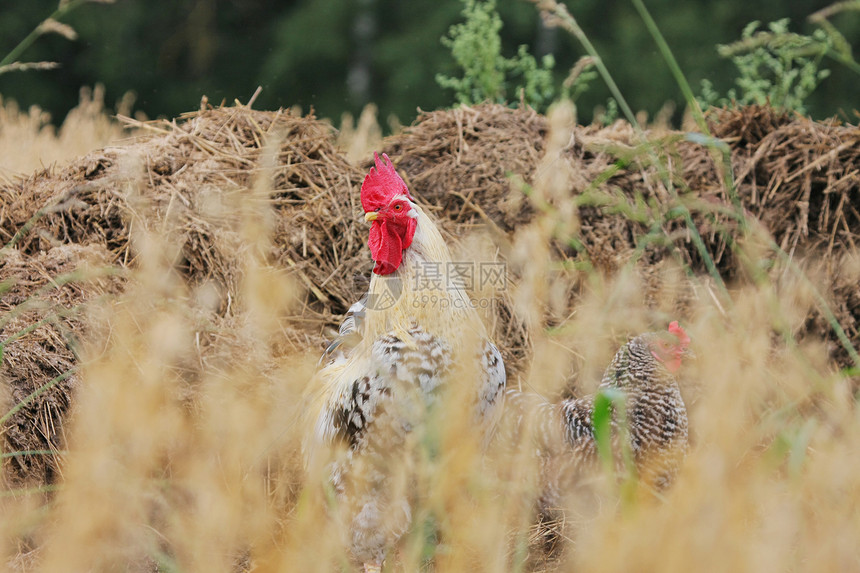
column 381, row 184
column 683, row 338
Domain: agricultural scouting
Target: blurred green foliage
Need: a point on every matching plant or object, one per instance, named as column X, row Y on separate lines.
column 337, row 55
column 476, row 46
column 774, row 66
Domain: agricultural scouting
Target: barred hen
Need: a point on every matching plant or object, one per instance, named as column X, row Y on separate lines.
column 408, row 342
column 644, row 369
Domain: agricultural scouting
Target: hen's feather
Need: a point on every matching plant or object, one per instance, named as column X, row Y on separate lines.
column 562, row 434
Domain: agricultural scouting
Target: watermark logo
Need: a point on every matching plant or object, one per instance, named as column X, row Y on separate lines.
column 493, row 276
column 460, row 276
column 430, row 278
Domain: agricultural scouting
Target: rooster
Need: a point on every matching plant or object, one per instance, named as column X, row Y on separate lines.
column 399, row 350
column 644, row 369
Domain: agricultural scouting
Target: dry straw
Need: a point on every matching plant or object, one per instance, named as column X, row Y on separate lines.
column 184, row 283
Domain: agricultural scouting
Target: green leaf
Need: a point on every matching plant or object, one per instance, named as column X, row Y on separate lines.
column 35, row 393
column 476, row 46
column 606, row 400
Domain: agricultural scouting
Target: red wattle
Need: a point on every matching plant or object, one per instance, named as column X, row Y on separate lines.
column 673, row 364
column 411, row 224
column 386, row 248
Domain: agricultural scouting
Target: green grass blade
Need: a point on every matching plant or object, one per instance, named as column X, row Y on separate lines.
column 667, row 54
column 29, row 491
column 28, row 41
column 36, row 393
column 32, row 453
column 601, row 418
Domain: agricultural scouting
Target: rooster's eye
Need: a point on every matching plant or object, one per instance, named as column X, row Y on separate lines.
column 398, row 207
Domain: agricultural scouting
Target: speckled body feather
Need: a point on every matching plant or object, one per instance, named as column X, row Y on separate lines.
column 394, row 359
column 563, row 433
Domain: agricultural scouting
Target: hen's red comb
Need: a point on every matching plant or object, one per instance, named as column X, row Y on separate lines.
column 381, row 184
column 683, row 338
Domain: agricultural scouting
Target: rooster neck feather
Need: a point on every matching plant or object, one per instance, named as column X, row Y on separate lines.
column 406, row 297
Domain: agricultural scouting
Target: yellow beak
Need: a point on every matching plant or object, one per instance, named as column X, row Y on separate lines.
column 371, row 216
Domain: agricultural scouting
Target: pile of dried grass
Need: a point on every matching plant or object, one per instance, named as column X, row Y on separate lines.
column 188, row 181
column 45, row 300
column 460, row 160
column 191, row 176
column 797, row 177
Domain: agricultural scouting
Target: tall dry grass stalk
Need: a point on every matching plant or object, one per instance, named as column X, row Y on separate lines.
column 29, row 141
column 767, row 485
column 359, row 140
column 184, row 443
column 177, row 449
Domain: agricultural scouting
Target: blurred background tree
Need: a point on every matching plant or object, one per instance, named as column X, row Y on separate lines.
column 337, row 55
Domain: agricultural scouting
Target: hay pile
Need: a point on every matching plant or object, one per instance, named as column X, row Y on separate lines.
column 41, row 323
column 459, row 161
column 191, row 175
column 798, row 177
column 188, row 179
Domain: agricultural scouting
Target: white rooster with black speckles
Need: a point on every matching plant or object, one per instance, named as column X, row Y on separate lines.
column 399, row 351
